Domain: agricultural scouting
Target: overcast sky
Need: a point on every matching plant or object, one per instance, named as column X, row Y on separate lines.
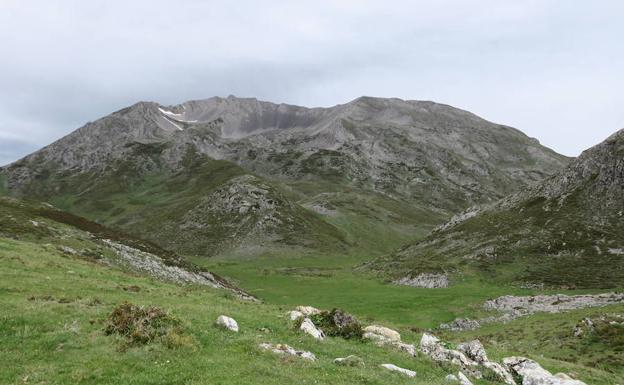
column 554, row 69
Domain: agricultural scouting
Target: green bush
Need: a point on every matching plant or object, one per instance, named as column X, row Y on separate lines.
column 141, row 325
column 337, row 323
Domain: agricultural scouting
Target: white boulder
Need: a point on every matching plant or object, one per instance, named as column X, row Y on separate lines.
column 394, row 368
column 376, row 332
column 227, row 323
column 463, row 380
column 295, row 315
column 308, row 327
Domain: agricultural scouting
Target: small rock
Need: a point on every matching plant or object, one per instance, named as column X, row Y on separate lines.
column 307, row 310
column 463, row 380
column 295, row 315
column 451, row 378
column 532, row 373
column 288, row 350
column 227, row 323
column 308, row 327
column 353, row 361
column 394, row 368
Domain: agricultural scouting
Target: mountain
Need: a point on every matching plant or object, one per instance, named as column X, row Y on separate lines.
column 567, row 231
column 241, row 176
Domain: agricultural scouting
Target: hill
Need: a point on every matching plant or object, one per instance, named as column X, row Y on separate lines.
column 567, row 231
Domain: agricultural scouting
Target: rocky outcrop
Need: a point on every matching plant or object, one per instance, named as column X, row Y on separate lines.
column 287, row 350
column 227, row 323
column 394, row 368
column 470, row 357
column 551, row 303
column 425, row 280
column 514, row 307
column 532, row 373
column 437, row 351
column 475, row 351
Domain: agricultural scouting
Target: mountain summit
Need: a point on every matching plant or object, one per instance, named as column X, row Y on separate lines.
column 238, row 175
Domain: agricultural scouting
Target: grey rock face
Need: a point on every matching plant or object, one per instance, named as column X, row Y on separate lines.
column 514, row 307
column 425, row 280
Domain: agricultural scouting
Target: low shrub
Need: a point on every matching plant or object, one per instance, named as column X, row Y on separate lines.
column 337, row 323
column 141, row 325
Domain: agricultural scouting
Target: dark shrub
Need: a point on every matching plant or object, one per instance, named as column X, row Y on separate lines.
column 141, row 325
column 337, row 323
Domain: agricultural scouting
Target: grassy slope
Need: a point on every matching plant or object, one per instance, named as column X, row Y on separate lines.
column 55, row 305
column 144, row 199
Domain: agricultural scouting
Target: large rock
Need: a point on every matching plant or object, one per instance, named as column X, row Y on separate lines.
column 308, row 327
column 384, row 336
column 394, row 368
column 288, row 350
column 227, row 323
column 533, row 374
column 381, row 333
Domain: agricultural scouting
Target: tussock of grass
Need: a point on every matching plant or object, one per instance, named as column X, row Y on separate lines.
column 143, row 325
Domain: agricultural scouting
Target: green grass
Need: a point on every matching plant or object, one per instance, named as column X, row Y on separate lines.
column 55, row 309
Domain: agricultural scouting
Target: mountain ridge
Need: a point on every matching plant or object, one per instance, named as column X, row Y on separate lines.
column 573, row 218
column 375, row 163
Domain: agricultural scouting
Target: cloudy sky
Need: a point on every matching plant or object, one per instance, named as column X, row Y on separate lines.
column 554, row 69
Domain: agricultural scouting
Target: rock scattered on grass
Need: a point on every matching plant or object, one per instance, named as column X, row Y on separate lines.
column 451, row 378
column 295, row 315
column 309, row 328
column 532, row 373
column 384, row 336
column 227, row 323
column 307, row 310
column 353, row 361
column 288, row 350
column 381, row 333
column 394, row 368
